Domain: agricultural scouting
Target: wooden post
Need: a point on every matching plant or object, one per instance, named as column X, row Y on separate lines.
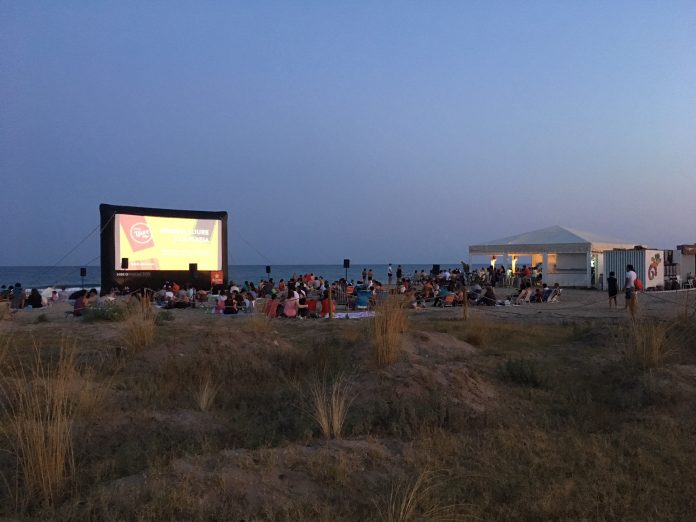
column 465, row 304
column 330, row 304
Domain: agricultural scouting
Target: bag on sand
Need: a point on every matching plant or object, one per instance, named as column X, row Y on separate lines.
column 638, row 284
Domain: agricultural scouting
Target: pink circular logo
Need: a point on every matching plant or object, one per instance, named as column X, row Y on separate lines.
column 140, row 233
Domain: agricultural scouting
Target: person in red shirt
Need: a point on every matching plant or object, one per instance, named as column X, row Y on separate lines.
column 272, row 306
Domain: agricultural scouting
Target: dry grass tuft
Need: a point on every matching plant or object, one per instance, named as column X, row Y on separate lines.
column 633, row 307
column 258, row 323
column 645, row 343
column 389, row 323
column 139, row 326
column 39, row 413
column 329, row 404
column 206, row 391
column 412, row 499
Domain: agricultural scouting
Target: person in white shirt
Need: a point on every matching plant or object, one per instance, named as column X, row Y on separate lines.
column 630, row 284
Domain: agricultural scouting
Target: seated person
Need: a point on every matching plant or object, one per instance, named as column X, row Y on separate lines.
column 272, row 306
column 441, row 294
column 547, row 292
column 488, row 298
column 34, row 300
column 220, row 304
column 290, row 307
column 231, row 307
column 524, row 294
column 555, row 293
column 303, row 307
column 312, row 305
column 538, row 296
column 81, row 303
column 325, row 305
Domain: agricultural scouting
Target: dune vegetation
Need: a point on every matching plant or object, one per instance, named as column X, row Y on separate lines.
column 403, row 417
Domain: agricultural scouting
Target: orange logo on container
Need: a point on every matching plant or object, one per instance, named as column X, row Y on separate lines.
column 140, row 233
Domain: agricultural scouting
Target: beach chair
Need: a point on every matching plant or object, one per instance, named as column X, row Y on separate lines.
column 362, row 301
column 555, row 296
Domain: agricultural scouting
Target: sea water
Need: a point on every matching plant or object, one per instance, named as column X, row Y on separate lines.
column 69, row 276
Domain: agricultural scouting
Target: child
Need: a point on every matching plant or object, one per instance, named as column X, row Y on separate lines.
column 613, row 289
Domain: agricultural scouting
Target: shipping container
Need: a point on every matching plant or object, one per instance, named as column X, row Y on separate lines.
column 648, row 264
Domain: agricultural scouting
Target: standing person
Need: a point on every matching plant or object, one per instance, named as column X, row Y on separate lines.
column 630, row 285
column 613, row 289
column 370, row 275
column 389, row 274
column 399, row 274
column 364, row 275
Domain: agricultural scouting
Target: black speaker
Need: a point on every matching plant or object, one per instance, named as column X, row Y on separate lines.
column 268, row 269
column 83, row 272
column 436, row 269
column 193, row 268
column 124, row 263
column 346, row 263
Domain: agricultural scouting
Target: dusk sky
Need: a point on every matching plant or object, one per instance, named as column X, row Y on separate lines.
column 380, row 131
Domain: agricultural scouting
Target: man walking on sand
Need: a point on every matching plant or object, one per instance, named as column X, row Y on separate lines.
column 630, row 285
column 389, row 274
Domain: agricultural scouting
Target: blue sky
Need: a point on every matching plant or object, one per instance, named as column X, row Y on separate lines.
column 379, row 131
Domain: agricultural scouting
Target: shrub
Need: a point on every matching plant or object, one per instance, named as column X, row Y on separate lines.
column 163, row 316
column 389, row 323
column 42, row 318
column 111, row 312
column 522, row 371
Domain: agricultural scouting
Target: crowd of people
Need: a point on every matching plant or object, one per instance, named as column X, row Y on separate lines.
column 310, row 295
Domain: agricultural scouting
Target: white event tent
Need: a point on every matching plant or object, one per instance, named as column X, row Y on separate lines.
column 568, row 257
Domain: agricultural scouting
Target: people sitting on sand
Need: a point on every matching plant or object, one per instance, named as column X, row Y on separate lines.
column 524, row 294
column 547, row 292
column 442, row 293
column 537, row 296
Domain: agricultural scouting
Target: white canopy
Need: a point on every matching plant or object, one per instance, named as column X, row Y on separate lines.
column 554, row 239
column 568, row 257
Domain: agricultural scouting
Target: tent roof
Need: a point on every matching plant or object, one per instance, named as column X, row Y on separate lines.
column 555, row 238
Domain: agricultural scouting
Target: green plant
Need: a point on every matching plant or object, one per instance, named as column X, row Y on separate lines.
column 163, row 316
column 111, row 312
